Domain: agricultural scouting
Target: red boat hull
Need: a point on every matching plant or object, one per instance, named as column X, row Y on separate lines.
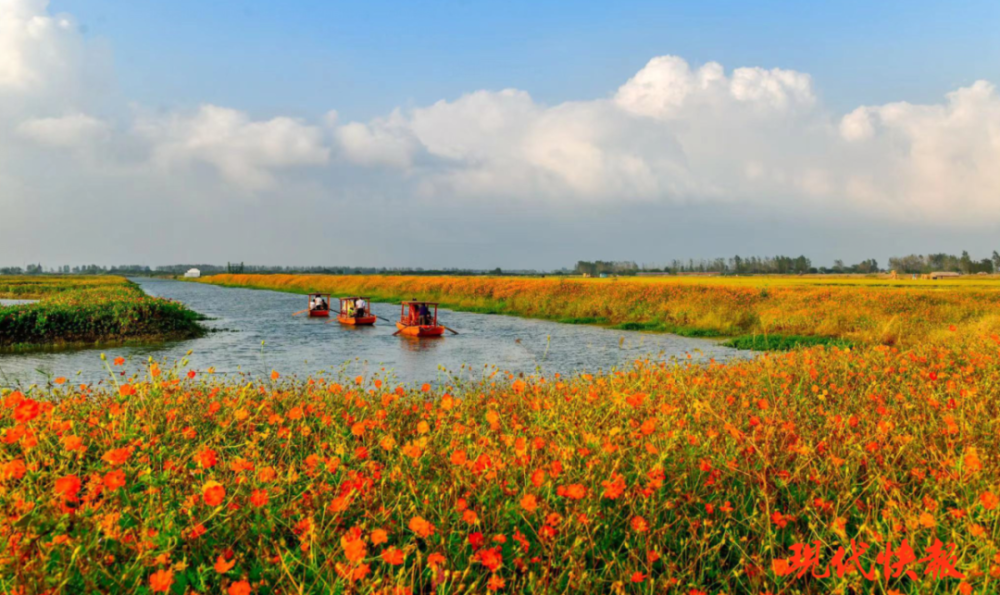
column 420, row 331
column 319, row 313
column 363, row 321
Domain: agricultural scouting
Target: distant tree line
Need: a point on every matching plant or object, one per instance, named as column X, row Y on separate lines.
column 611, row 268
column 739, row 265
column 230, row 267
column 917, row 264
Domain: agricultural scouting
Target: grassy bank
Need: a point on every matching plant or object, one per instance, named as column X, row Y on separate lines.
column 857, row 311
column 87, row 311
column 657, row 479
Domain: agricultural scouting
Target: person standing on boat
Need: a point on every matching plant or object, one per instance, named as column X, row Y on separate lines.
column 425, row 315
column 360, row 306
column 312, row 302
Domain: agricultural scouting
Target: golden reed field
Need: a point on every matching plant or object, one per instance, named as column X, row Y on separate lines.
column 822, row 470
column 869, row 311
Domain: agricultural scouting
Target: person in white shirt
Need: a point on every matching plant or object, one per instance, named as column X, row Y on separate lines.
column 360, row 304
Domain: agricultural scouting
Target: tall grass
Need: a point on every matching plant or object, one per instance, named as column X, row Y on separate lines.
column 858, row 312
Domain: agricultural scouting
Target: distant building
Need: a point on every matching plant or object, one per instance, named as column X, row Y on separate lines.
column 944, row 275
column 192, row 274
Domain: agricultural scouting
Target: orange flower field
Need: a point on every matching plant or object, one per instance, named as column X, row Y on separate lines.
column 656, row 479
column 870, row 311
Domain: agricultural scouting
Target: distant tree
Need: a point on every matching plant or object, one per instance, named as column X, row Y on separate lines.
column 586, row 268
column 965, row 263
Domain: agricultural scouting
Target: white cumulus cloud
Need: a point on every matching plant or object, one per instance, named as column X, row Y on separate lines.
column 671, row 134
column 74, row 130
column 245, row 152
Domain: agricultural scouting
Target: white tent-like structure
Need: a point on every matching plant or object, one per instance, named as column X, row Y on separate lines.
column 192, row 274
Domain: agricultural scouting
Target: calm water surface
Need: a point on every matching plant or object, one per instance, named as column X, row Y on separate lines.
column 302, row 346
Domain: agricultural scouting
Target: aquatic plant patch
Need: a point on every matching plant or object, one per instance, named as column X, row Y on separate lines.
column 107, row 310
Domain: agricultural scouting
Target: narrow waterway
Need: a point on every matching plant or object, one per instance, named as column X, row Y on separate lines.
column 256, row 333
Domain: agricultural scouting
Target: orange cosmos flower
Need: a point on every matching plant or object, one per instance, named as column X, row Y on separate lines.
column 529, row 503
column 117, row 457
column 206, row 458
column 60, row 380
column 114, row 480
column 258, row 498
column 13, row 470
column 222, row 566
column 495, row 583
column 26, row 410
column 161, row 580
column 354, row 548
column 379, row 536
column 214, row 493
column 68, row 487
column 491, row 558
column 639, row 524
column 392, row 556
column 989, row 500
column 421, row 527
column 73, row 443
column 275, row 375
column 240, row 588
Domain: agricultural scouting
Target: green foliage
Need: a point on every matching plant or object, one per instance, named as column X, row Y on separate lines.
column 584, row 320
column 87, row 311
column 784, row 342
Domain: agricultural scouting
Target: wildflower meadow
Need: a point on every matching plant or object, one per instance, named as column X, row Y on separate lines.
column 658, row 478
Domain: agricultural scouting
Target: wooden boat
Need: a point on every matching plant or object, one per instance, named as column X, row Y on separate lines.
column 348, row 316
column 355, row 321
column 411, row 325
column 320, row 312
column 417, row 330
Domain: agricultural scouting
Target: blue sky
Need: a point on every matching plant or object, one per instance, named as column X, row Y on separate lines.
column 515, row 134
column 365, row 58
